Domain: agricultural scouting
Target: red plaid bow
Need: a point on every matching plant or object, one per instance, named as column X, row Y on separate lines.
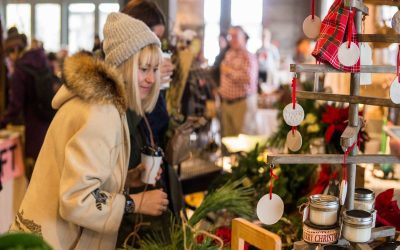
column 332, row 35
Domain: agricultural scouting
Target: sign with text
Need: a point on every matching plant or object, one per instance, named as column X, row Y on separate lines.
column 11, row 158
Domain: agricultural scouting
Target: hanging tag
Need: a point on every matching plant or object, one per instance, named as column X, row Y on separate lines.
column 365, row 59
column 294, row 140
column 270, row 211
column 396, row 22
column 348, row 56
column 293, row 117
column 311, row 27
column 395, row 91
column 306, row 213
column 343, row 192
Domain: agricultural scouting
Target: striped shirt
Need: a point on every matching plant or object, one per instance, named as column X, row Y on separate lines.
column 241, row 81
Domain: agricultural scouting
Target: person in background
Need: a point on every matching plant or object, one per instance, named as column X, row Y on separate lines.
column 22, row 96
column 238, row 90
column 149, row 13
column 223, row 48
column 268, row 61
column 75, row 199
column 96, row 43
column 158, row 120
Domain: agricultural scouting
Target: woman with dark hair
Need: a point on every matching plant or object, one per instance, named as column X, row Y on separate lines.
column 158, row 120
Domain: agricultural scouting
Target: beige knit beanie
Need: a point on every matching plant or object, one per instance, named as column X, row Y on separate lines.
column 124, row 36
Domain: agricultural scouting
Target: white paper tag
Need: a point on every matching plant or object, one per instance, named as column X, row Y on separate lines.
column 343, row 192
column 396, row 22
column 348, row 56
column 365, row 59
column 294, row 140
column 270, row 211
column 395, row 91
column 306, row 212
column 293, row 117
column 311, row 27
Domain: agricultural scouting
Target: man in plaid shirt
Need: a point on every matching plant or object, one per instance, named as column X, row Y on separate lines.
column 238, row 90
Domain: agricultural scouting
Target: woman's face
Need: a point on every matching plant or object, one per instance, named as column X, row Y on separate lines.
column 146, row 79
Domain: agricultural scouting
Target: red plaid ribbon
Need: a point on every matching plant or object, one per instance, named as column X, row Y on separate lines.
column 332, row 35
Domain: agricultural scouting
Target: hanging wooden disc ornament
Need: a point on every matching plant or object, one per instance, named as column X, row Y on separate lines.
column 365, row 59
column 294, row 140
column 311, row 26
column 395, row 91
column 293, row 117
column 270, row 211
column 348, row 56
column 396, row 22
column 343, row 192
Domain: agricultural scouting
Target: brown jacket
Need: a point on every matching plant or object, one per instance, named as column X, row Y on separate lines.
column 75, row 198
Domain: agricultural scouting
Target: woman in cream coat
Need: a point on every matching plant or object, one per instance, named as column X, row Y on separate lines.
column 75, row 199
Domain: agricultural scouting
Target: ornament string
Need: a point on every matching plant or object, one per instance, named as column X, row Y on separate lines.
column 350, row 29
column 294, row 83
column 273, row 176
column 345, row 155
column 312, row 9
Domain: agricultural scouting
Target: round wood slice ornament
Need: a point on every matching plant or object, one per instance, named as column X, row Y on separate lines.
column 270, row 211
column 294, row 140
column 395, row 91
column 343, row 192
column 396, row 22
column 293, row 117
column 348, row 56
column 311, row 27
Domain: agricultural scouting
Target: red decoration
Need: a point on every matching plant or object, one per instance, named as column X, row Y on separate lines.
column 388, row 212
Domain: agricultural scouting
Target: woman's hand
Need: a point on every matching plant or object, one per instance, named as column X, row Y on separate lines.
column 133, row 179
column 166, row 70
column 153, row 202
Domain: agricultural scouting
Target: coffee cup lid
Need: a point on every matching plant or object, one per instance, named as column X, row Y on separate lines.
column 148, row 150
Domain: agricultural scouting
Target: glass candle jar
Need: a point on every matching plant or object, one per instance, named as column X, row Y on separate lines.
column 323, row 209
column 364, row 199
column 357, row 226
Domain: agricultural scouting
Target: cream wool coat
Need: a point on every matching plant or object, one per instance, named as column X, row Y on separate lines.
column 75, row 200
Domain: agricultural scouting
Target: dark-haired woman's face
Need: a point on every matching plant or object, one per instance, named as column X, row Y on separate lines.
column 159, row 30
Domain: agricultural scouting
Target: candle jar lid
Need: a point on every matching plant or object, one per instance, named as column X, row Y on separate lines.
column 324, row 202
column 358, row 218
column 363, row 194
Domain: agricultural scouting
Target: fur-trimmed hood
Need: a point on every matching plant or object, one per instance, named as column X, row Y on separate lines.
column 92, row 80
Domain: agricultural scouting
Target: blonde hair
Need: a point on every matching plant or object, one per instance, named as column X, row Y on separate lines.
column 149, row 55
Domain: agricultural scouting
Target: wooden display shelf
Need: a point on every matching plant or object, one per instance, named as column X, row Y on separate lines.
column 374, row 101
column 358, row 5
column 322, row 68
column 383, row 2
column 379, row 38
column 330, row 159
column 350, row 135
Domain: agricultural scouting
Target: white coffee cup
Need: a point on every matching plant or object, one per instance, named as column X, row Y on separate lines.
column 152, row 166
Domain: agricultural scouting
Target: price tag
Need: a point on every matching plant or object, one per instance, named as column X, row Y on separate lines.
column 395, row 91
column 293, row 117
column 365, row 59
column 294, row 140
column 348, row 56
column 270, row 211
column 311, row 27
